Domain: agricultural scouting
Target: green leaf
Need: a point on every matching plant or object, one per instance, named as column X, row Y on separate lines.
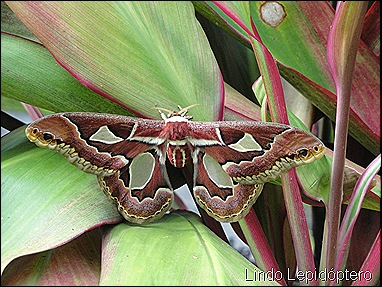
column 298, row 44
column 76, row 263
column 239, row 108
column 11, row 24
column 304, row 33
column 45, row 201
column 353, row 210
column 230, row 25
column 140, row 54
column 30, row 74
column 176, row 250
column 300, row 49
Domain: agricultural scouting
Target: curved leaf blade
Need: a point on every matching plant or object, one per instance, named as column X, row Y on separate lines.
column 177, row 242
column 76, row 263
column 30, row 74
column 353, row 210
column 139, row 54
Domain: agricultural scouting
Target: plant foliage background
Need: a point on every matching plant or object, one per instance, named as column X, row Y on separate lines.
column 58, row 228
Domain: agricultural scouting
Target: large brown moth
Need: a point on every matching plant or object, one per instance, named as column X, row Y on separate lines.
column 231, row 160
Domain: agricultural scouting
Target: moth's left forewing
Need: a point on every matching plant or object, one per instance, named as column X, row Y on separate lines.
column 96, row 143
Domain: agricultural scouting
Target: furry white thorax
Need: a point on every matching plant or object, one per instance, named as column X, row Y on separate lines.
column 176, row 119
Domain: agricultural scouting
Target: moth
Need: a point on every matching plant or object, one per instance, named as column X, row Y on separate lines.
column 231, row 160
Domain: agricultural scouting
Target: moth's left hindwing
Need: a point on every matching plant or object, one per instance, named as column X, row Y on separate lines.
column 217, row 193
column 115, row 148
column 141, row 189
